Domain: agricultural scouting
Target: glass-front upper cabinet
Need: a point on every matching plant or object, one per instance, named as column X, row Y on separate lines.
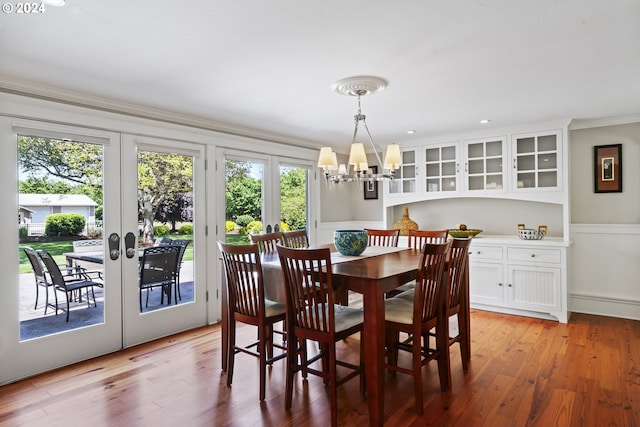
column 537, row 160
column 441, row 168
column 405, row 179
column 484, row 164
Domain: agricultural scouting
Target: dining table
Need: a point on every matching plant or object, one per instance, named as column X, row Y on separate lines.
column 377, row 271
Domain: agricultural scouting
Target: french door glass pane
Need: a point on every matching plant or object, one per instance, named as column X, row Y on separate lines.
column 165, row 199
column 293, row 198
column 60, row 211
column 244, row 182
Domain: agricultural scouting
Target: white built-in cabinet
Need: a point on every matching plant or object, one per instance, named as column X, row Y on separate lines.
column 482, row 167
column 507, row 274
column 511, row 275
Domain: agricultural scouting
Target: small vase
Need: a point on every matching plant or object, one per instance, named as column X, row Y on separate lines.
column 405, row 223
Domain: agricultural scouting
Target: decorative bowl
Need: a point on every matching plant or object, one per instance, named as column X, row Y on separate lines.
column 469, row 232
column 350, row 242
column 530, row 234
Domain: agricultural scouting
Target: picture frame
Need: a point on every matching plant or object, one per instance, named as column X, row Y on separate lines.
column 607, row 168
column 371, row 187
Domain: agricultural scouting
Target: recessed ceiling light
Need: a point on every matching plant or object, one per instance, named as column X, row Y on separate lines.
column 56, row 3
column 411, row 131
column 484, row 121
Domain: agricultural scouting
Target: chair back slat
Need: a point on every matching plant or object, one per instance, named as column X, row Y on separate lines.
column 430, row 283
column 309, row 287
column 295, row 239
column 418, row 238
column 266, row 242
column 245, row 284
column 52, row 268
column 457, row 261
column 383, row 237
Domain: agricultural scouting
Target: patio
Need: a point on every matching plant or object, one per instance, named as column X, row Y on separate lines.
column 34, row 323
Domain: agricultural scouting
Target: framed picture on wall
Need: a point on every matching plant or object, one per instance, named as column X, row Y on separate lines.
column 371, row 187
column 607, row 168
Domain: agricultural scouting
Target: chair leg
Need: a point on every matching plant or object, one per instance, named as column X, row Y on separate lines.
column 442, row 348
column 67, row 294
column 292, row 359
column 37, row 290
column 417, row 373
column 262, row 350
column 465, row 351
column 232, row 350
column 333, row 388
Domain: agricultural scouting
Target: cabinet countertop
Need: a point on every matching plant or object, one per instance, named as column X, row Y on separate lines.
column 498, row 239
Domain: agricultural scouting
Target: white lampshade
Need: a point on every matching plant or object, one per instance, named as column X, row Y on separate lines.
column 392, row 160
column 334, row 166
column 357, row 157
column 342, row 169
column 327, row 158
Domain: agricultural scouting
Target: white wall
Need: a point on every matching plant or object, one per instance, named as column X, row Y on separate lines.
column 604, row 260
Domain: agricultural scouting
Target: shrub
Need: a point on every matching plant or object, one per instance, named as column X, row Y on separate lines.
column 284, row 226
column 23, row 232
column 186, row 229
column 160, row 230
column 229, row 226
column 244, row 220
column 254, row 227
column 64, row 224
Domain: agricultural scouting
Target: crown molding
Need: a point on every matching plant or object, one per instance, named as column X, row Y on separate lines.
column 78, row 99
column 609, row 121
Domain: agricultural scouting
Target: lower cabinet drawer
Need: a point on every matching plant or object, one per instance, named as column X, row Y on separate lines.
column 534, row 255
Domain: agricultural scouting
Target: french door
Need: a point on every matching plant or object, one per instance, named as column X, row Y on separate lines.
column 112, row 167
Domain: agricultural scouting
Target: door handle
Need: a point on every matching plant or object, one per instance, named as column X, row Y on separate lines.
column 114, row 246
column 130, row 244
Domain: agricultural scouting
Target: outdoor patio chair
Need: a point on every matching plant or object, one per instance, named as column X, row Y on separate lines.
column 158, row 268
column 39, row 275
column 71, row 283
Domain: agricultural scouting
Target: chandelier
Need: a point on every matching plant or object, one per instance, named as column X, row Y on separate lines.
column 357, row 167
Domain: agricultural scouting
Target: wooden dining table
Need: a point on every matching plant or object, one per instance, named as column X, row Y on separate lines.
column 372, row 277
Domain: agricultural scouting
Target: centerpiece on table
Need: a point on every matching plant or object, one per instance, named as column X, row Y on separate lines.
column 350, row 242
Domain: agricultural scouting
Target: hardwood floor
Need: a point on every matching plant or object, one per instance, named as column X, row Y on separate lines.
column 523, row 372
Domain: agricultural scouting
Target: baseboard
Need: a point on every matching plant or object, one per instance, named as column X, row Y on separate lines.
column 604, row 306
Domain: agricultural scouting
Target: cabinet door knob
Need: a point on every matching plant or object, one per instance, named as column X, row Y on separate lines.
column 499, row 284
column 510, row 285
column 533, row 255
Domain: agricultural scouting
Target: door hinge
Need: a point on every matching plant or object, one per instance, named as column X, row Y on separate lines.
column 217, row 294
column 216, row 166
column 206, row 296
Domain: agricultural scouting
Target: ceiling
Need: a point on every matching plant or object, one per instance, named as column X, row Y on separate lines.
column 267, row 67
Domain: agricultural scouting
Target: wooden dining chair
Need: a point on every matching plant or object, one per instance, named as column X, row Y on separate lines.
column 266, row 241
column 417, row 239
column 68, row 284
column 457, row 302
column 312, row 315
column 247, row 304
column 383, row 237
column 295, row 239
column 416, row 317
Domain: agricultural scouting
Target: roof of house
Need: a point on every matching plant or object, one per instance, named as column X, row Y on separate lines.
column 55, row 200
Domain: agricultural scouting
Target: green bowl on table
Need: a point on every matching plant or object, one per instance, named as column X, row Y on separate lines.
column 464, row 234
column 351, row 242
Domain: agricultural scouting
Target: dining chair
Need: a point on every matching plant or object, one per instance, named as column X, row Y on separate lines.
column 295, row 239
column 266, row 241
column 417, row 239
column 416, row 316
column 383, row 237
column 247, row 304
column 457, row 302
column 313, row 316
column 68, row 284
column 39, row 275
column 157, row 268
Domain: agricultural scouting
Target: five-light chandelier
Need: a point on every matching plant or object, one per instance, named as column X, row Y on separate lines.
column 357, row 168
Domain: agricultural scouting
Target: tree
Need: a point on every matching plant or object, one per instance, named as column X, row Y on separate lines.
column 76, row 162
column 161, row 177
column 177, row 209
column 243, row 195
